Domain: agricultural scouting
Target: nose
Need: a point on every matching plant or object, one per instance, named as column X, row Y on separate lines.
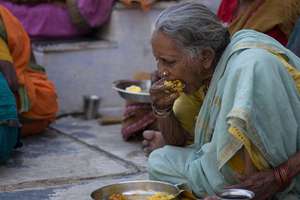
column 163, row 73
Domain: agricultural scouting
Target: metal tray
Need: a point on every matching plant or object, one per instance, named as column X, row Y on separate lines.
column 134, row 190
column 142, row 97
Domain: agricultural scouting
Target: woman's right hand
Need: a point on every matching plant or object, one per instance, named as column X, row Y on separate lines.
column 162, row 98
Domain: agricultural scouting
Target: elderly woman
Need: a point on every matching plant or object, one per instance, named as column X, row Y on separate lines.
column 248, row 120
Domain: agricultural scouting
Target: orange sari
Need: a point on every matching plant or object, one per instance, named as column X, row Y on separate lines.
column 37, row 99
column 263, row 15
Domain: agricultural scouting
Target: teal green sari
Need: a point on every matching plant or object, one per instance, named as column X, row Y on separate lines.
column 8, row 111
column 252, row 90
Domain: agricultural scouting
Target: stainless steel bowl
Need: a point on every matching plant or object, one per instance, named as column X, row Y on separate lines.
column 237, row 194
column 142, row 97
column 134, row 190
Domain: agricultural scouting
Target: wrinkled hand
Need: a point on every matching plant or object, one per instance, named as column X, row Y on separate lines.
column 162, row 98
column 152, row 140
column 10, row 75
column 263, row 184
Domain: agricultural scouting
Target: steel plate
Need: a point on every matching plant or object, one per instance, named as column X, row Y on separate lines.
column 134, row 190
column 142, row 97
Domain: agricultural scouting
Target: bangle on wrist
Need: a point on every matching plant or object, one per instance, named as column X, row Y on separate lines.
column 282, row 176
column 161, row 113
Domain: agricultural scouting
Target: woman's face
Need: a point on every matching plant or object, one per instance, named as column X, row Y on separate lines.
column 174, row 62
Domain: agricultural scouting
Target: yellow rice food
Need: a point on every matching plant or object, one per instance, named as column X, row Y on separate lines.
column 174, row 86
column 161, row 196
column 133, row 88
column 117, row 196
column 156, row 196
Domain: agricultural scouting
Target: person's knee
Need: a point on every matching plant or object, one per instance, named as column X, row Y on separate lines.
column 34, row 127
column 155, row 159
column 159, row 155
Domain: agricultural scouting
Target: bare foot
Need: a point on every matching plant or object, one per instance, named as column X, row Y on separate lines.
column 152, row 140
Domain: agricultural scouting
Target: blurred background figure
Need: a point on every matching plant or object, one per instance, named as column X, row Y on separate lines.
column 146, row 4
column 137, row 116
column 27, row 94
column 60, row 18
column 272, row 17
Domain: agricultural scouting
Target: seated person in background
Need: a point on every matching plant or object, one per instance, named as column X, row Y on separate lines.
column 61, row 19
column 34, row 99
column 248, row 121
column 137, row 116
column 272, row 17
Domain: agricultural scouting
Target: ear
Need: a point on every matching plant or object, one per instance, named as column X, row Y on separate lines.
column 207, row 57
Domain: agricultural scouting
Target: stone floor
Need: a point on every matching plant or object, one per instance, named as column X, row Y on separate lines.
column 69, row 161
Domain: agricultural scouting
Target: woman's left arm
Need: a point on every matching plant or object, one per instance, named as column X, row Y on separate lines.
column 264, row 184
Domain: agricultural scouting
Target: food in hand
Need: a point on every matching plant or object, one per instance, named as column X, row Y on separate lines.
column 133, row 88
column 117, row 196
column 161, row 196
column 174, row 86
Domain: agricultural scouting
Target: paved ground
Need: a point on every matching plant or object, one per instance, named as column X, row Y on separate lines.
column 69, row 161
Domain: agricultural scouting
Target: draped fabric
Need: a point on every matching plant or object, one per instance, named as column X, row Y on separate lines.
column 263, row 15
column 271, row 17
column 8, row 111
column 137, row 117
column 186, row 108
column 59, row 19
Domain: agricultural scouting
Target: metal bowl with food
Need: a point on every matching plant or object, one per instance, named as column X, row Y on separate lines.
column 134, row 190
column 142, row 96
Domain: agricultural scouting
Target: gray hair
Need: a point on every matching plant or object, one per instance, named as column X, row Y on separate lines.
column 194, row 27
